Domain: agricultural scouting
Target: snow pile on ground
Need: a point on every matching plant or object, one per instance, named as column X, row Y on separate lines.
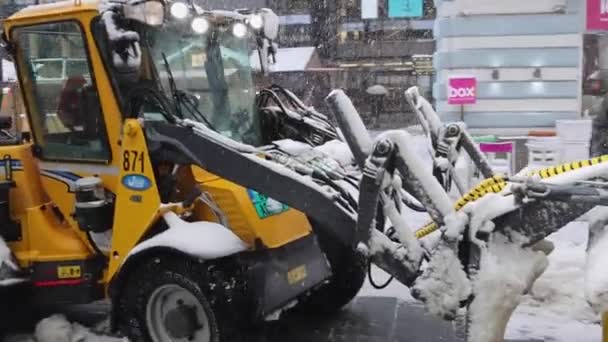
column 556, row 309
column 57, row 329
column 560, row 288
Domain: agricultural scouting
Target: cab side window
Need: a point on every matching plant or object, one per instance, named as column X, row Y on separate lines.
column 64, row 103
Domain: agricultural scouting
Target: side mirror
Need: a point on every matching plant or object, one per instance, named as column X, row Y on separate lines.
column 6, row 122
column 149, row 12
column 126, row 51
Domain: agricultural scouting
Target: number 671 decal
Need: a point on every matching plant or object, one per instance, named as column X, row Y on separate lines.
column 133, row 161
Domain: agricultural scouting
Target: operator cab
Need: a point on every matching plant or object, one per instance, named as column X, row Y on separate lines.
column 197, row 69
column 200, row 68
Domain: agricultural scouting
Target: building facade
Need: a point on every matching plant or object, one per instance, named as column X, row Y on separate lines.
column 526, row 57
column 360, row 51
column 357, row 52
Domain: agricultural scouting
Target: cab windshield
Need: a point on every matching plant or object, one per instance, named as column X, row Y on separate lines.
column 213, row 69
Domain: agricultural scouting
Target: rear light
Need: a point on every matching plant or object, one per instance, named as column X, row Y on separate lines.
column 53, row 283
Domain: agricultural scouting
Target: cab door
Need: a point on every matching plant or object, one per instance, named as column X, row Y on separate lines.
column 72, row 113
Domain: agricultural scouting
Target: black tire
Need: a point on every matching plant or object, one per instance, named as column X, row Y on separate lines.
column 214, row 285
column 349, row 269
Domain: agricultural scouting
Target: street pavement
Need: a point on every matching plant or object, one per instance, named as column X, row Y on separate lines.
column 366, row 319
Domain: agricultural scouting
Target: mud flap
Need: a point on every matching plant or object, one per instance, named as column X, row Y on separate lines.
column 66, row 282
column 278, row 276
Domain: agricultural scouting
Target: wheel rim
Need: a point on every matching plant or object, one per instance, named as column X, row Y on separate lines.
column 175, row 314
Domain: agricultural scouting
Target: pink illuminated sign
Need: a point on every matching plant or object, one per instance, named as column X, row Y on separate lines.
column 597, row 15
column 462, row 90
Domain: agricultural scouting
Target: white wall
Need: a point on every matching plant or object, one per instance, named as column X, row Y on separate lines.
column 525, row 55
column 488, row 7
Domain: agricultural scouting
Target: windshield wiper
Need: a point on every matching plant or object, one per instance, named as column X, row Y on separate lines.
column 172, row 87
column 181, row 97
column 185, row 98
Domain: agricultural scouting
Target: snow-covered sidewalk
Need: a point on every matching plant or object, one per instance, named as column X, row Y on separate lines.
column 556, row 309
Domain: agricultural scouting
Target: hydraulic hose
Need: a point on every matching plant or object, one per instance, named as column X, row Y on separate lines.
column 498, row 183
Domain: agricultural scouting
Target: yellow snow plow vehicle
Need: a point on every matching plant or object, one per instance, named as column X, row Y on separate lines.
column 159, row 178
column 97, row 206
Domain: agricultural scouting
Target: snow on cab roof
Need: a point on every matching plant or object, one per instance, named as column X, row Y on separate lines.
column 55, row 8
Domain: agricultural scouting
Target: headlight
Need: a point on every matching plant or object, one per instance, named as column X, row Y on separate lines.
column 179, row 10
column 256, row 21
column 200, row 25
column 239, row 30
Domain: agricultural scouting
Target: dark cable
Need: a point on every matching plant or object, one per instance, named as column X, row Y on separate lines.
column 373, row 283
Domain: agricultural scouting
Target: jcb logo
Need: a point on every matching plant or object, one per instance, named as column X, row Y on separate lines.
column 463, row 92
